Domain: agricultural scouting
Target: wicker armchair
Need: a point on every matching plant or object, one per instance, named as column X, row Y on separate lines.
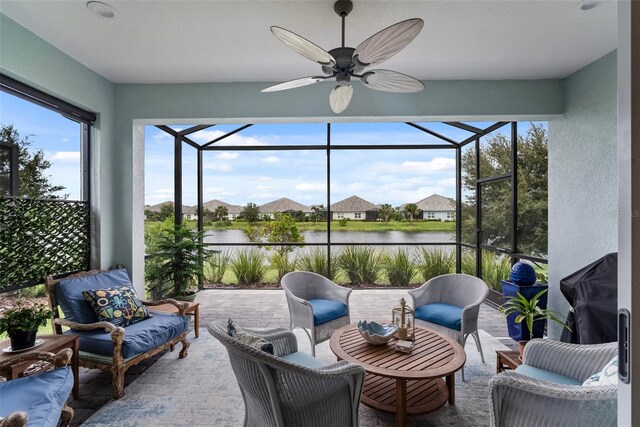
column 38, row 399
column 520, row 400
column 278, row 392
column 316, row 304
column 456, row 299
column 103, row 345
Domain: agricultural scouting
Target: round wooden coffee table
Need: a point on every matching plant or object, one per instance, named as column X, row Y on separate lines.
column 399, row 382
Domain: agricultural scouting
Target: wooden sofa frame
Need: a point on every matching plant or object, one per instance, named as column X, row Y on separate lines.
column 118, row 365
column 62, row 358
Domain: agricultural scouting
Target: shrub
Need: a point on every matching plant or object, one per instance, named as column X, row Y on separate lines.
column 435, row 262
column 315, row 261
column 495, row 269
column 216, row 266
column 361, row 264
column 469, row 262
column 36, row 291
column 248, row 266
column 400, row 268
column 282, row 263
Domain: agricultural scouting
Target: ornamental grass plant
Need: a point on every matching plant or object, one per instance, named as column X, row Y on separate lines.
column 315, row 261
column 434, row 262
column 248, row 266
column 216, row 266
column 399, row 267
column 361, row 264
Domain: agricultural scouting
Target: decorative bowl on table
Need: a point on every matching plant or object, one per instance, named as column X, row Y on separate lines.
column 375, row 333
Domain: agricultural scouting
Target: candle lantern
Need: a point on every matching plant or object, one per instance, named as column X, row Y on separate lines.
column 403, row 317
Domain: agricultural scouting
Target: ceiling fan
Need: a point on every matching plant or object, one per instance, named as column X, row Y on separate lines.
column 345, row 63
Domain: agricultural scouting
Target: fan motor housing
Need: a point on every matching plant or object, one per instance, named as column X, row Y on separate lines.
column 343, row 57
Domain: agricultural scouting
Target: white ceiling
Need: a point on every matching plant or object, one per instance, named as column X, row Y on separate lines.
column 229, row 41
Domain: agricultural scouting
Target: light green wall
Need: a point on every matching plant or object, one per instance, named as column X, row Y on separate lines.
column 583, row 182
column 31, row 60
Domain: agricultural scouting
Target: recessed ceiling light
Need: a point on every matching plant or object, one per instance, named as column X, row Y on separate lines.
column 589, row 4
column 101, row 9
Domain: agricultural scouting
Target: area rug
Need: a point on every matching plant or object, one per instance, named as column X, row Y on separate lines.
column 201, row 390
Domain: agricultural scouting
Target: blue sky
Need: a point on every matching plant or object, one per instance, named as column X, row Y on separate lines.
column 239, row 177
column 56, row 135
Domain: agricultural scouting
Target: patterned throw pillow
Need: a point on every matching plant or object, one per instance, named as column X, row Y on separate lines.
column 248, row 339
column 608, row 375
column 120, row 305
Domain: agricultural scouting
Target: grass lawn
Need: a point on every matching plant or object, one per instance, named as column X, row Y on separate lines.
column 416, row 226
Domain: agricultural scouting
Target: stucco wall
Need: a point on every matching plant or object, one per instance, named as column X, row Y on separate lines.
column 583, row 200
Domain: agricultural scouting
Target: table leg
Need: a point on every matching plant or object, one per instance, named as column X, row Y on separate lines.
column 196, row 321
column 401, row 403
column 451, row 384
column 74, row 366
column 498, row 364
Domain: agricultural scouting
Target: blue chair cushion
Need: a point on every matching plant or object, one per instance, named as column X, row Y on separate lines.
column 41, row 396
column 138, row 338
column 325, row 310
column 304, row 359
column 544, row 375
column 447, row 315
column 73, row 304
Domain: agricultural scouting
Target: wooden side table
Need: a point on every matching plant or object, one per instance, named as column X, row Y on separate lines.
column 51, row 344
column 507, row 360
column 193, row 310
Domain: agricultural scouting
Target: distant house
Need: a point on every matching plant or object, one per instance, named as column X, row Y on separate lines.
column 436, row 207
column 232, row 210
column 354, row 208
column 283, row 205
column 190, row 213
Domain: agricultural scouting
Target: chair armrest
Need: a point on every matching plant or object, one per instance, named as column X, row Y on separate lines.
column 421, row 296
column 334, row 292
column 108, row 327
column 469, row 321
column 15, row 419
column 300, row 310
column 284, row 341
column 525, row 401
column 59, row 359
column 578, row 361
column 180, row 305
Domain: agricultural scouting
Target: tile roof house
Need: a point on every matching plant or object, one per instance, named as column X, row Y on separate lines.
column 283, row 205
column 232, row 210
column 355, row 208
column 437, row 207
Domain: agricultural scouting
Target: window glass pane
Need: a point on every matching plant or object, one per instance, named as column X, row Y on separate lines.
column 158, row 174
column 5, row 171
column 469, row 261
column 264, row 135
column 495, row 269
column 50, row 146
column 532, row 189
column 495, row 152
column 496, row 214
column 391, row 134
column 468, row 213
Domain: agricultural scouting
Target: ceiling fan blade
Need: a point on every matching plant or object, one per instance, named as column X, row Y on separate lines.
column 292, row 84
column 386, row 43
column 303, row 46
column 391, row 81
column 340, row 98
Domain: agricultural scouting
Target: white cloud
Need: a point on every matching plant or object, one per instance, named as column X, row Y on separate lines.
column 311, row 186
column 264, row 178
column 221, row 167
column 271, row 159
column 66, row 156
column 218, row 191
column 266, row 188
column 437, row 165
column 227, row 155
column 205, row 136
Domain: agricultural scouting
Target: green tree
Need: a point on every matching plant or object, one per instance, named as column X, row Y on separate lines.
column 221, row 212
column 33, row 182
column 317, row 210
column 251, row 213
column 386, row 212
column 411, row 209
column 495, row 159
column 166, row 210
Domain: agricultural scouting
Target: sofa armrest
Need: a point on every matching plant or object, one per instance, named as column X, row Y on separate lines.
column 180, row 305
column 61, row 358
column 15, row 419
column 117, row 334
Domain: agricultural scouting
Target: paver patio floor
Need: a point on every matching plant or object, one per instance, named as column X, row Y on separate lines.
column 264, row 308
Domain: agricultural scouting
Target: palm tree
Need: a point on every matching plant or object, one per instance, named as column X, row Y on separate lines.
column 411, row 209
column 221, row 212
column 386, row 212
column 316, row 210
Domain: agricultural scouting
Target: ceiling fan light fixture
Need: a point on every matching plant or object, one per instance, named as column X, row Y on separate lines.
column 589, row 4
column 102, row 10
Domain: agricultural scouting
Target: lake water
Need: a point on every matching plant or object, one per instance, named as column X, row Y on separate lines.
column 339, row 238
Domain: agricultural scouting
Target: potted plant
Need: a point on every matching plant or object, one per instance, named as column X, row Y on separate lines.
column 176, row 263
column 529, row 312
column 21, row 323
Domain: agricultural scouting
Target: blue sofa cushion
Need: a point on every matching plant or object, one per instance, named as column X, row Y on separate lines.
column 447, row 315
column 325, row 310
column 544, row 375
column 73, row 304
column 138, row 338
column 120, row 306
column 304, row 359
column 41, row 396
